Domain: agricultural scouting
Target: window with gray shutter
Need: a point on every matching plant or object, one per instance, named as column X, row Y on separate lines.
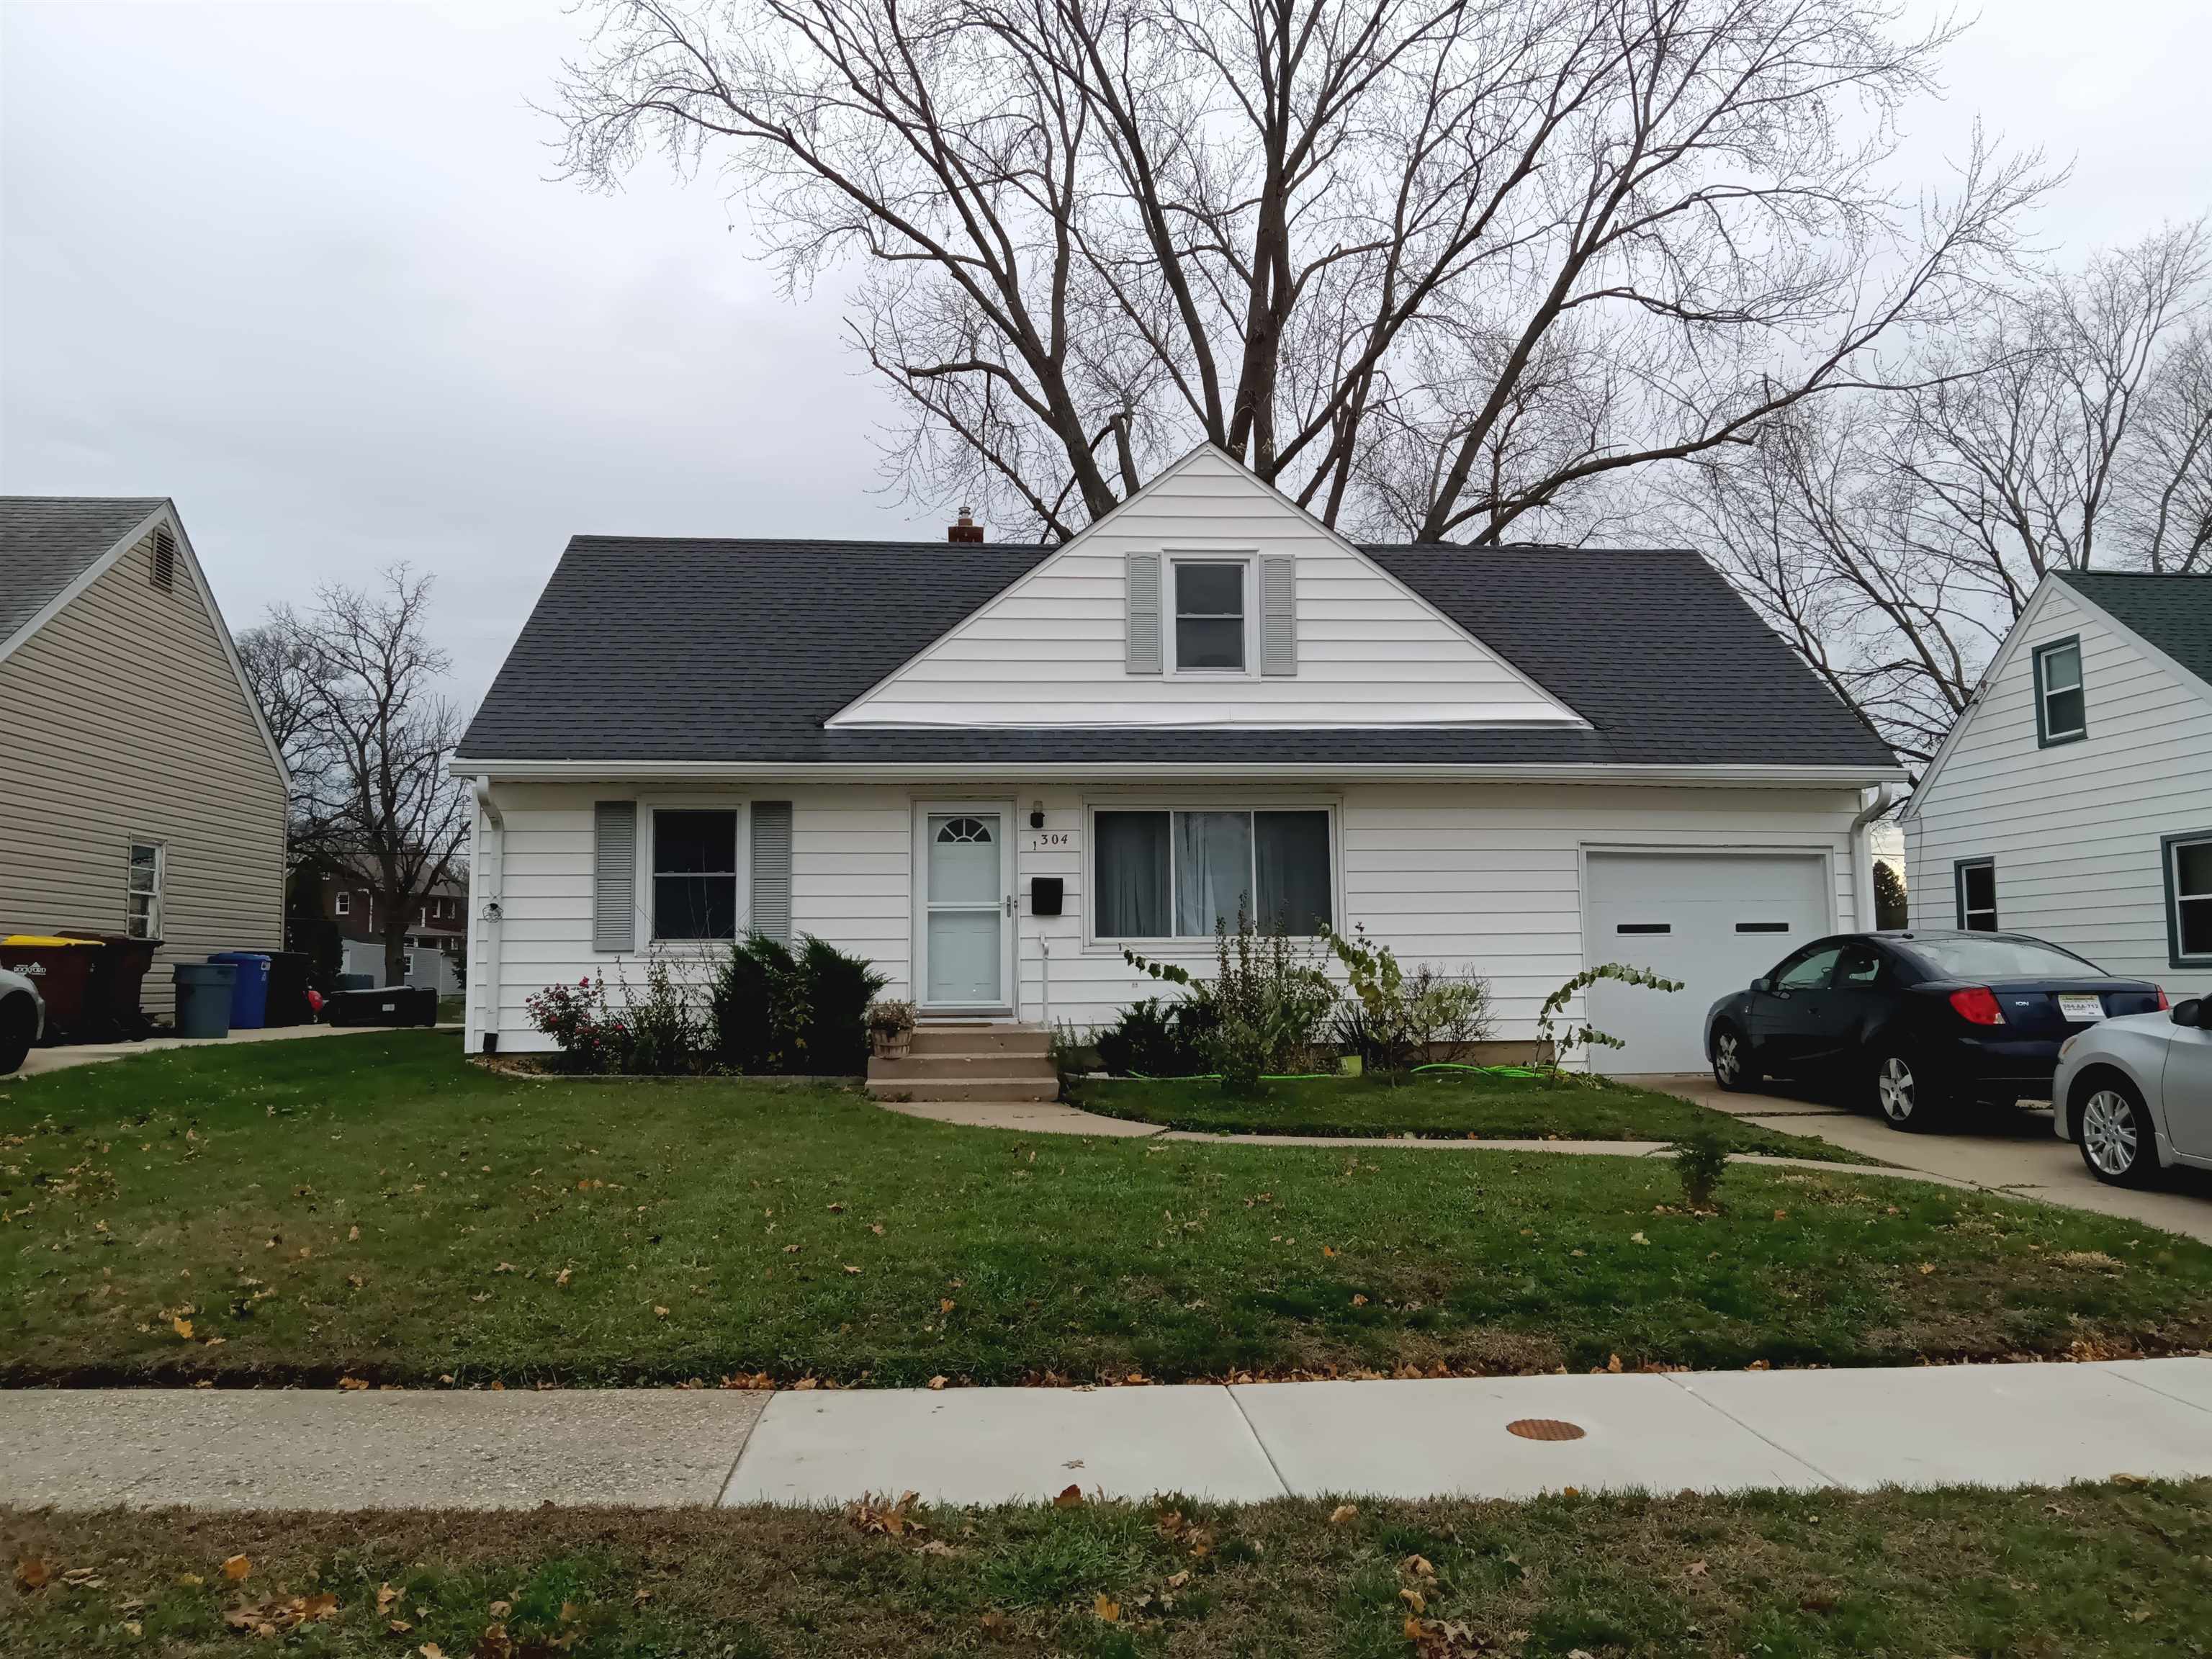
column 771, row 874
column 1279, row 615
column 1143, row 637
column 614, row 875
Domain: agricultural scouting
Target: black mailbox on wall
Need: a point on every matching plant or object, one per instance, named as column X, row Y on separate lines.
column 1044, row 896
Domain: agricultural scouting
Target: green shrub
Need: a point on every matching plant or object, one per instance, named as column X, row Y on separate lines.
column 1266, row 1003
column 1394, row 1020
column 839, row 989
column 1700, row 1159
column 1559, row 1047
column 1158, row 1038
column 666, row 1035
column 806, row 1012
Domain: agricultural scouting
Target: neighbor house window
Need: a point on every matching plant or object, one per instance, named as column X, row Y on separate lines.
column 1977, row 881
column 2188, row 899
column 144, row 894
column 1209, row 623
column 1182, row 875
column 345, row 905
column 2061, row 713
column 694, row 875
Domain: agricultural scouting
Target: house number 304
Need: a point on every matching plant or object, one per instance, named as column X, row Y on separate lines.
column 1045, row 838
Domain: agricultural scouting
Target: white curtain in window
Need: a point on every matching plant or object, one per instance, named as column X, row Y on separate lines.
column 1130, row 870
column 1214, row 872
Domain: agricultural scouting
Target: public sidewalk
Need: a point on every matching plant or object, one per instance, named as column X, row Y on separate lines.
column 1999, row 1425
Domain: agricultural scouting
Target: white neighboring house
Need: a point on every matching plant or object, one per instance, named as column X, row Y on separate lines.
column 2073, row 799
column 989, row 768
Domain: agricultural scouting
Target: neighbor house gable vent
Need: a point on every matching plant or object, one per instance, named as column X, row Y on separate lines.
column 163, row 573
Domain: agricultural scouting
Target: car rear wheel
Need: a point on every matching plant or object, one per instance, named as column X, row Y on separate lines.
column 2114, row 1132
column 1903, row 1093
column 1732, row 1067
column 16, row 1023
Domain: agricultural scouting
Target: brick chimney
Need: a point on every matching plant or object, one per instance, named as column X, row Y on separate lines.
column 966, row 530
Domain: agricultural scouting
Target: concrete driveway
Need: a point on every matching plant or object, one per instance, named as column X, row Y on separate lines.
column 2005, row 1148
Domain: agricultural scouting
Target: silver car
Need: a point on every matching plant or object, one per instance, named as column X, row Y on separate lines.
column 22, row 1018
column 2135, row 1093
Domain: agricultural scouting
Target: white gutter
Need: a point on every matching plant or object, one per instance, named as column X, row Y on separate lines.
column 487, row 880
column 1862, row 845
column 886, row 771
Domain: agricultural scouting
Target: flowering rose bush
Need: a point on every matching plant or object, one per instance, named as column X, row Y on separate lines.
column 576, row 1017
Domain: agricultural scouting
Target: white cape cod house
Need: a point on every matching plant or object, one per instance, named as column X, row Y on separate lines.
column 989, row 768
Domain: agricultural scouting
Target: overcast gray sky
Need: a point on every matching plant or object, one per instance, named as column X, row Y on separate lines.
column 298, row 267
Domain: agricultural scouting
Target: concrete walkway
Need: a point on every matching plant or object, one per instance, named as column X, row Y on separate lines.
column 2010, row 1151
column 1711, row 1432
column 39, row 1062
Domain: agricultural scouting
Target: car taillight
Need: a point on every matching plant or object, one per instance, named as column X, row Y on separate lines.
column 1978, row 1006
column 2162, row 1003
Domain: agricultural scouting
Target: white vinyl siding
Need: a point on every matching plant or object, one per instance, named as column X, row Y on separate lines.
column 1487, row 876
column 1056, row 648
column 122, row 723
column 2075, row 829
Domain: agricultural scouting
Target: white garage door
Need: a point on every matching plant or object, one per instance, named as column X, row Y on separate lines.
column 1714, row 921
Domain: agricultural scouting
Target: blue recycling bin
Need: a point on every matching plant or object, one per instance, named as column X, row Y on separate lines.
column 249, row 992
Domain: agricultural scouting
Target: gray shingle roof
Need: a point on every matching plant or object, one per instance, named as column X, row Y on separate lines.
column 2174, row 613
column 46, row 542
column 650, row 649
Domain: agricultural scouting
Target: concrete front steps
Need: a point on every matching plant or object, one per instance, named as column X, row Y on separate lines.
column 970, row 1060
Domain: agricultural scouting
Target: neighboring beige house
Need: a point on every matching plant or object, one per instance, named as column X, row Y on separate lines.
column 140, row 791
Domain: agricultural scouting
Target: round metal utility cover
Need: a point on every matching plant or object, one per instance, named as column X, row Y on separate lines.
column 1544, row 1428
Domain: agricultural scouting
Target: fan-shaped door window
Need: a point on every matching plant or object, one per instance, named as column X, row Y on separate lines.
column 963, row 829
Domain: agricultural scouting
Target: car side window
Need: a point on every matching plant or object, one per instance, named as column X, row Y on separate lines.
column 1809, row 971
column 1859, row 968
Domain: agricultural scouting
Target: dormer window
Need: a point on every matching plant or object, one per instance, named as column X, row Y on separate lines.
column 2061, row 709
column 1209, row 616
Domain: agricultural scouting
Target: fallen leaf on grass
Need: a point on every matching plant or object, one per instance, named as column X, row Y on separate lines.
column 431, row 1650
column 1638, row 1239
column 386, row 1595
column 1358, row 1300
column 1069, row 1498
column 1413, row 1599
column 937, row 1383
column 1107, row 1609
column 236, row 1568
column 996, row 1623
column 946, row 1304
column 1342, row 1513
column 1927, row 1268
column 352, row 1384
column 183, row 1328
column 561, row 1278
column 850, row 1268
column 1696, row 1570
column 1418, row 1565
column 33, row 1573
column 660, row 1313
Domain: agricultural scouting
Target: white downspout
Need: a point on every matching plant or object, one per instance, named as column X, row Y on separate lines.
column 1861, row 844
column 487, row 878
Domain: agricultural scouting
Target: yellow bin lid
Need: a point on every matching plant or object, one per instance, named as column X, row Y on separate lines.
column 38, row 941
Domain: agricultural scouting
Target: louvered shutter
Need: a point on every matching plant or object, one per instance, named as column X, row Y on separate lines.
column 614, row 875
column 1279, row 616
column 1144, row 635
column 771, row 869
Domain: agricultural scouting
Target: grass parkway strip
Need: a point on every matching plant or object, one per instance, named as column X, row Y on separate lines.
column 2085, row 1572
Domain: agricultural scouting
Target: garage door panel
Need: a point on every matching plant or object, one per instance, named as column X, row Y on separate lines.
column 1713, row 921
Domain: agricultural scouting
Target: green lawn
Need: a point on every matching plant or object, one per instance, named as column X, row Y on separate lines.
column 1437, row 1105
column 372, row 1206
column 2084, row 1573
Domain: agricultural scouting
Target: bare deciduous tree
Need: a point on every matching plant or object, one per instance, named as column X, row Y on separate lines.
column 1437, row 268
column 350, row 690
column 1895, row 537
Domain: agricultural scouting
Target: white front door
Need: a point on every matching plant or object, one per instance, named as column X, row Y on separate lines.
column 965, row 888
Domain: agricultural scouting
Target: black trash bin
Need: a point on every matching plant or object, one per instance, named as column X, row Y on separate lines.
column 115, row 995
column 288, row 988
column 394, row 1004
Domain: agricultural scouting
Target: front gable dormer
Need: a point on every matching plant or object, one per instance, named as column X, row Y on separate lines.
column 1207, row 599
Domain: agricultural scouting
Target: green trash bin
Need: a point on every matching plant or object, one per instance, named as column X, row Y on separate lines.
column 203, row 993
